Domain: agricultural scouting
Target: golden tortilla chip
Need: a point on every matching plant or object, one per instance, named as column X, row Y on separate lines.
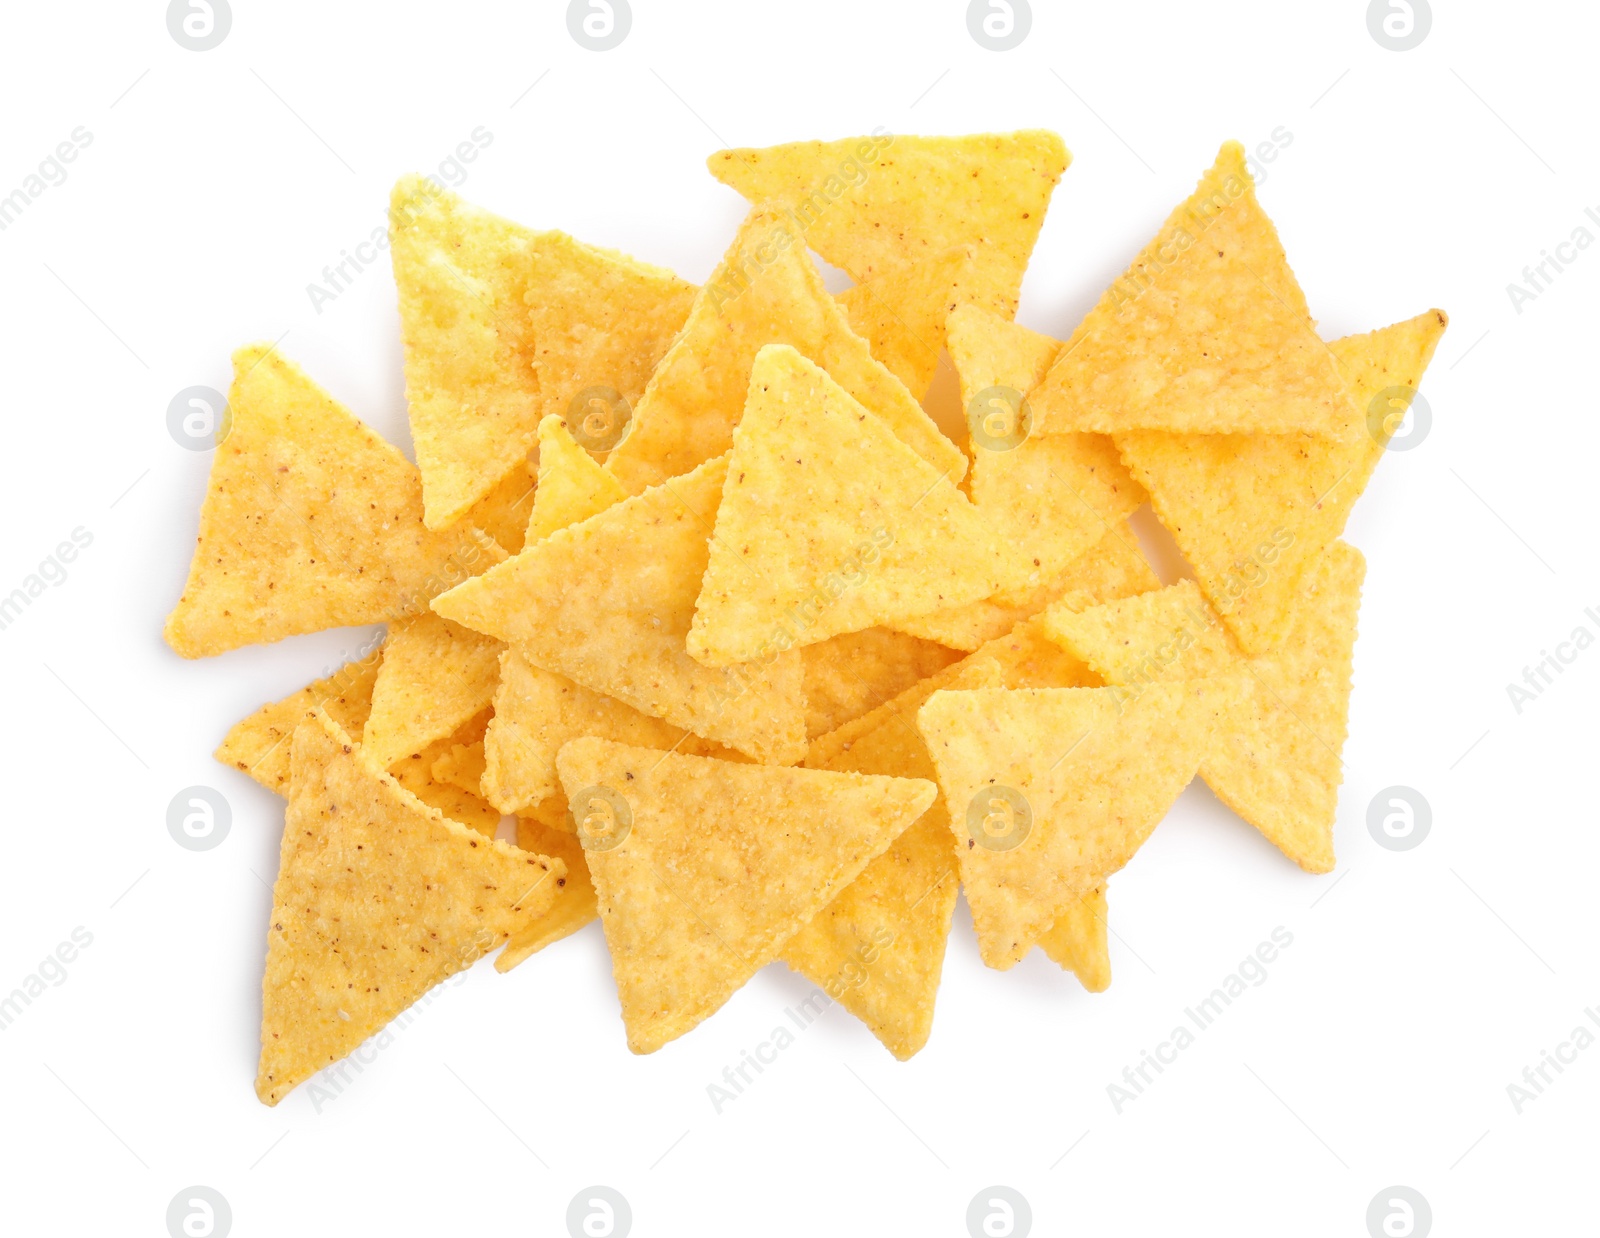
column 466, row 805
column 503, row 325
column 830, row 524
column 1051, row 790
column 310, row 521
column 1077, row 940
column 704, row 868
column 885, row 203
column 851, row 674
column 608, row 604
column 260, row 745
column 1277, row 762
column 1253, row 512
column 435, row 676
column 765, row 292
column 1207, row 332
column 902, row 314
column 378, row 899
column 505, row 511
column 462, row 767
column 572, row 487
column 575, row 905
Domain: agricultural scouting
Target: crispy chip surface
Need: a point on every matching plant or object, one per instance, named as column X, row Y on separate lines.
column 575, row 904
column 572, row 487
column 1077, row 941
column 435, row 676
column 850, row 675
column 902, row 314
column 462, row 766
column 417, row 773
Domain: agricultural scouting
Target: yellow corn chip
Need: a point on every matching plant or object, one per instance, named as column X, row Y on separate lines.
column 885, row 203
column 1026, row 657
column 1277, row 762
column 1077, row 940
column 310, row 521
column 1112, row 568
column 1207, row 332
column 830, row 524
column 852, row 674
column 503, row 325
column 505, row 511
column 260, row 744
column 378, row 899
column 466, row 805
column 435, row 676
column 765, row 292
column 575, row 904
column 608, row 603
column 462, row 767
column 1251, row 513
column 572, row 487
column 902, row 314
column 704, row 868
column 1051, row 790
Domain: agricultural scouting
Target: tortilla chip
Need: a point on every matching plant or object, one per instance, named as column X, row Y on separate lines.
column 1113, row 567
column 883, row 204
column 378, row 899
column 830, row 524
column 466, row 805
column 572, row 487
column 849, row 675
column 765, row 292
column 260, row 745
column 608, row 604
column 503, row 325
column 713, row 866
column 1277, row 763
column 1207, row 332
column 1077, row 777
column 505, row 511
column 462, row 767
column 575, row 905
column 435, row 676
column 310, row 521
column 1077, row 941
column 1252, row 513
column 902, row 314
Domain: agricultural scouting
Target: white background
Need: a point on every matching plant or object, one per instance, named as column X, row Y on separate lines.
column 1419, row 985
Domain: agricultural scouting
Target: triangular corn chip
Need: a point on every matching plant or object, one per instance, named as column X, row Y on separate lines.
column 850, row 675
column 902, row 314
column 885, row 203
column 378, row 899
column 1060, row 786
column 505, row 511
column 1252, row 512
column 572, row 487
column 465, row 805
column 830, row 524
column 607, row 603
column 260, row 745
column 1077, row 941
column 706, row 868
column 1277, row 763
column 310, row 521
column 1207, row 332
column 765, row 292
column 435, row 676
column 503, row 325
column 462, row 766
column 575, row 904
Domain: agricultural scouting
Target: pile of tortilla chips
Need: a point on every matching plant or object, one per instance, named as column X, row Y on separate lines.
column 761, row 659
